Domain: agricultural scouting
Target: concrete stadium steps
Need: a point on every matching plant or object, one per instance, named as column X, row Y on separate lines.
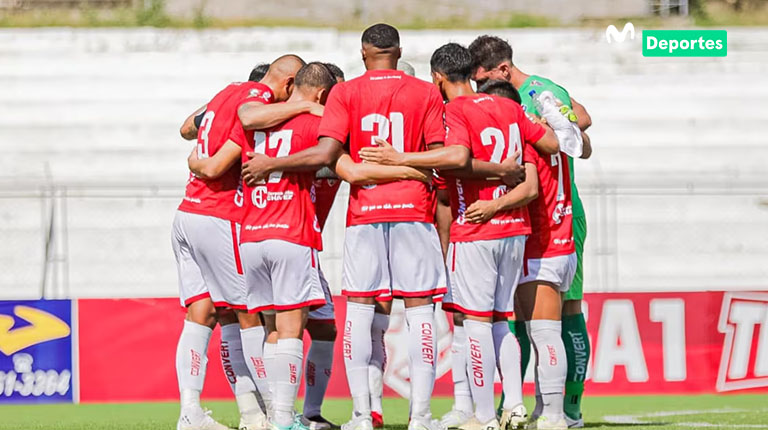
column 101, row 107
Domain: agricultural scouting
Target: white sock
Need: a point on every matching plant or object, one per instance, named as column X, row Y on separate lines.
column 191, row 361
column 462, row 396
column 270, row 349
column 357, row 355
column 236, row 371
column 508, row 363
column 319, row 364
column 481, row 365
column 378, row 360
column 421, row 352
column 289, row 356
column 551, row 365
column 253, row 352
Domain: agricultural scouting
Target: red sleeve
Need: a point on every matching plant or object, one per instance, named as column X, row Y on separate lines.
column 530, row 155
column 237, row 134
column 457, row 128
column 335, row 122
column 530, row 132
column 259, row 93
column 434, row 128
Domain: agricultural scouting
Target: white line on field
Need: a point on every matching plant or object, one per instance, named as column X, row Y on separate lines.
column 636, row 418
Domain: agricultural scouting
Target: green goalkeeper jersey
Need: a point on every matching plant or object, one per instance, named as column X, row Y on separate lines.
column 539, row 84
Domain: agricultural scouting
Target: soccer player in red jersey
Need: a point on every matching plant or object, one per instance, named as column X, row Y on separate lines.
column 390, row 243
column 549, row 269
column 280, row 241
column 205, row 242
column 491, row 129
column 325, row 191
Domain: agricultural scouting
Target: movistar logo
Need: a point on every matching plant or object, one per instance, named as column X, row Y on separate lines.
column 612, row 33
column 42, row 328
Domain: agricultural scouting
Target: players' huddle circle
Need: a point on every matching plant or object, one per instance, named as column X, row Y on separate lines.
column 461, row 196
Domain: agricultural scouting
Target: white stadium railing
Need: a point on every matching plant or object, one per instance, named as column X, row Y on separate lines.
column 675, row 193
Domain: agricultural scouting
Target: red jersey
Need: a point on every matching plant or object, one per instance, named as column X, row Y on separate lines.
column 403, row 110
column 281, row 207
column 493, row 128
column 324, row 194
column 551, row 213
column 218, row 197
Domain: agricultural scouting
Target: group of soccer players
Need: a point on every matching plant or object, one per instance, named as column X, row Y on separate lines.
column 456, row 195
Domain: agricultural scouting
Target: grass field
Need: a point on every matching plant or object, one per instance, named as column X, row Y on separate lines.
column 639, row 412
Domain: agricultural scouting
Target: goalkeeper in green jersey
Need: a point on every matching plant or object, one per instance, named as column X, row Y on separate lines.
column 492, row 58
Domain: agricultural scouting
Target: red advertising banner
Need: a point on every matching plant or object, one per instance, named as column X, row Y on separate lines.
column 642, row 343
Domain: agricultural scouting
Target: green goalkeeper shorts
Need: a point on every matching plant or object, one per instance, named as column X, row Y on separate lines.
column 576, row 292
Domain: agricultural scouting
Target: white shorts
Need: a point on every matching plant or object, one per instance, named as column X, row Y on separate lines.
column 484, row 275
column 324, row 313
column 556, row 270
column 401, row 259
column 281, row 276
column 208, row 260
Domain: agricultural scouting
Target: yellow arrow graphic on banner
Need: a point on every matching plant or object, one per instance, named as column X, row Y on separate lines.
column 43, row 327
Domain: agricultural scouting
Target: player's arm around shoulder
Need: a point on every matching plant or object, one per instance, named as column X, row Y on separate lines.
column 190, row 125
column 483, row 210
column 258, row 116
column 370, row 174
column 213, row 167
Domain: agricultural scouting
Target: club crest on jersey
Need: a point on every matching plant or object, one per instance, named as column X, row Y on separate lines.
column 259, row 196
column 499, row 191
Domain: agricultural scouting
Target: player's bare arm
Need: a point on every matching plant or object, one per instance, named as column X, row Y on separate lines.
column 441, row 157
column 509, row 171
column 483, row 210
column 258, row 116
column 324, row 154
column 188, row 129
column 369, row 174
column 586, row 150
column 215, row 166
column 584, row 120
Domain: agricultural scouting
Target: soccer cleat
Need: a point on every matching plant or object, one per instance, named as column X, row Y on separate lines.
column 474, row 424
column 360, row 422
column 377, row 420
column 513, row 418
column 574, row 423
column 317, row 423
column 257, row 421
column 424, row 424
column 544, row 423
column 455, row 418
column 199, row 419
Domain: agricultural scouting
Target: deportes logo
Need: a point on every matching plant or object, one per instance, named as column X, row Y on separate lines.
column 557, row 214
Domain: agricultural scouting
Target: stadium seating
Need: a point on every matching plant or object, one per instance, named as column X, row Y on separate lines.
column 676, row 192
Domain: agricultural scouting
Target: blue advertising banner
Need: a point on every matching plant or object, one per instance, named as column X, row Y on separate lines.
column 36, row 363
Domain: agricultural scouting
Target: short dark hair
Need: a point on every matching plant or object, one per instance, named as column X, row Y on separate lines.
column 335, row 70
column 314, row 75
column 489, row 51
column 258, row 72
column 453, row 61
column 501, row 88
column 382, row 36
